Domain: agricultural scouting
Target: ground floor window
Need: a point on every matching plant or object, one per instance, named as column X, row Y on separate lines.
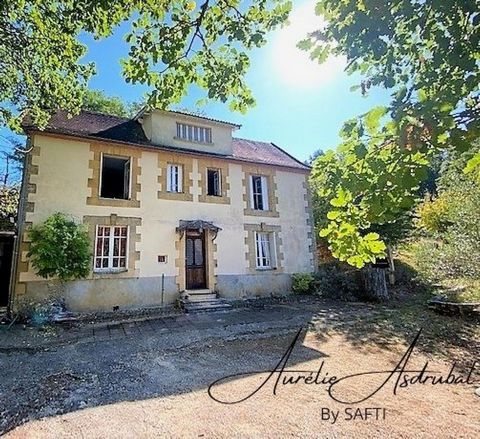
column 111, row 244
column 265, row 250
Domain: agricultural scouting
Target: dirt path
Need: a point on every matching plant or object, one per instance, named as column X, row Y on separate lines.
column 154, row 384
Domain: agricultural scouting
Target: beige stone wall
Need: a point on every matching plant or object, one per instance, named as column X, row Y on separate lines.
column 161, row 128
column 62, row 176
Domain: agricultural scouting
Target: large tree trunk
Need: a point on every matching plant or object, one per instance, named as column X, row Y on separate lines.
column 375, row 284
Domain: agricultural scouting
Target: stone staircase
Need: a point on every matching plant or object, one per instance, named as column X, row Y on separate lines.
column 193, row 301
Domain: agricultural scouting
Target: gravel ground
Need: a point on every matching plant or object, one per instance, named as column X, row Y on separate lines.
column 150, row 379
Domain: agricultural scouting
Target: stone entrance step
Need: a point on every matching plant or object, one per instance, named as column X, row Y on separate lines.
column 199, row 295
column 194, row 301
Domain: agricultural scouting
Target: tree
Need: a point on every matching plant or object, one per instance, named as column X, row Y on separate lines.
column 426, row 53
column 9, row 196
column 450, row 222
column 97, row 100
column 173, row 44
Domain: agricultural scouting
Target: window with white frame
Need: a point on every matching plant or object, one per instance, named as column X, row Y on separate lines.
column 175, row 178
column 111, row 244
column 194, row 133
column 213, row 182
column 265, row 251
column 258, row 192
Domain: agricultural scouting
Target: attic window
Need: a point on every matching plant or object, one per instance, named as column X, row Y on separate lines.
column 194, row 133
column 115, row 178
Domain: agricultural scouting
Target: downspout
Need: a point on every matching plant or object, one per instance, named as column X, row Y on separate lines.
column 20, row 229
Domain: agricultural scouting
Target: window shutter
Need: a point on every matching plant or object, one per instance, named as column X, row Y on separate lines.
column 265, row 193
column 180, row 178
column 252, row 204
column 126, row 180
column 273, row 250
column 257, row 250
column 218, row 190
column 169, row 178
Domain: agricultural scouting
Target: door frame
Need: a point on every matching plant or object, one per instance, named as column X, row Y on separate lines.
column 202, row 236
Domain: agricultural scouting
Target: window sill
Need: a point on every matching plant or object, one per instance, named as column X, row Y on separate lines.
column 193, row 142
column 265, row 268
column 114, row 199
column 110, row 271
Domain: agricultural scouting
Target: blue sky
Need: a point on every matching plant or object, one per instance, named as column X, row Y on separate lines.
column 300, row 106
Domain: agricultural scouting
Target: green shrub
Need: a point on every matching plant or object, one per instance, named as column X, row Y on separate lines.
column 60, row 248
column 302, row 283
column 337, row 281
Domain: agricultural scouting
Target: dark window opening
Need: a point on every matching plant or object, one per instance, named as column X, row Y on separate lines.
column 115, row 178
column 213, row 180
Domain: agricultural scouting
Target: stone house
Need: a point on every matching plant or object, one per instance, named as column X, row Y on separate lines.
column 174, row 205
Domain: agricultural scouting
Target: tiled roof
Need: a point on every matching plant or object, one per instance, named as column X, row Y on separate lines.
column 263, row 152
column 104, row 126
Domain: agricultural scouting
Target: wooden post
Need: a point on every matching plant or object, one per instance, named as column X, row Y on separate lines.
column 391, row 266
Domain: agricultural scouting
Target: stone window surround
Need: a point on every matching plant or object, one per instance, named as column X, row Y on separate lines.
column 187, row 184
column 100, row 149
column 133, row 238
column 270, row 174
column 222, row 166
column 250, row 254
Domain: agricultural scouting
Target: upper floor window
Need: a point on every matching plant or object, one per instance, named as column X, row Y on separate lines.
column 115, row 177
column 213, row 182
column 258, row 192
column 265, row 250
column 194, row 133
column 111, row 248
column 175, row 178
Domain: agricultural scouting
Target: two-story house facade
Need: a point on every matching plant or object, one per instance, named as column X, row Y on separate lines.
column 172, row 202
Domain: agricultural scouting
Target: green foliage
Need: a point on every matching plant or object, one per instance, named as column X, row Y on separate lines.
column 426, row 54
column 434, row 215
column 369, row 186
column 338, row 282
column 452, row 221
column 173, row 44
column 302, row 283
column 9, row 196
column 60, row 248
column 98, row 101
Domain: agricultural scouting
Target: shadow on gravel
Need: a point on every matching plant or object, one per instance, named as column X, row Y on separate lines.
column 386, row 325
column 65, row 378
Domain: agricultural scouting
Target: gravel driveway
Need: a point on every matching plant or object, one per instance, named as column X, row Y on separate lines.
column 150, row 379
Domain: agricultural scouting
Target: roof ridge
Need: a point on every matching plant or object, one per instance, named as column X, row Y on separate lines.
column 252, row 140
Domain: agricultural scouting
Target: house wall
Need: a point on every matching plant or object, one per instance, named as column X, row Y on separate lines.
column 59, row 173
column 161, row 129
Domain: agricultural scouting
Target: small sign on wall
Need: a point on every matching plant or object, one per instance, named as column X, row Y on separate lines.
column 162, row 259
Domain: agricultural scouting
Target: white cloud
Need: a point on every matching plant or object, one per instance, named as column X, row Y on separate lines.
column 292, row 65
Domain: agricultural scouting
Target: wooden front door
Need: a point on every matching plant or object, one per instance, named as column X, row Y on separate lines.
column 195, row 260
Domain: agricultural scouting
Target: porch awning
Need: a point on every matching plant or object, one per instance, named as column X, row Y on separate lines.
column 197, row 225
